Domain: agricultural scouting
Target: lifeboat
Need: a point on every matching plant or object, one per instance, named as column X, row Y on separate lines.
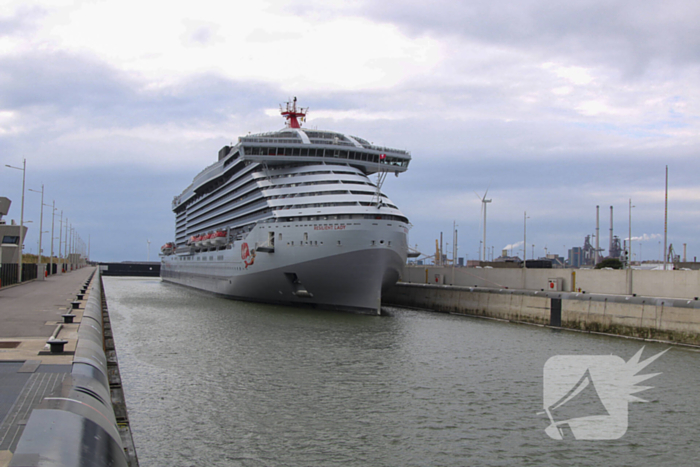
column 218, row 238
column 206, row 240
column 168, row 248
column 192, row 240
column 198, row 241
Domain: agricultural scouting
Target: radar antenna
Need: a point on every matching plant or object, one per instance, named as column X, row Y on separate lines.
column 294, row 115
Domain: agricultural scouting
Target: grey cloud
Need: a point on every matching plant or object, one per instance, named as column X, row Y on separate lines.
column 21, row 22
column 86, row 88
column 627, row 35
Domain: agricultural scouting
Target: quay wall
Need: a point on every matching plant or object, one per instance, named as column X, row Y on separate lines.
column 86, row 421
column 131, row 268
column 673, row 320
column 673, row 284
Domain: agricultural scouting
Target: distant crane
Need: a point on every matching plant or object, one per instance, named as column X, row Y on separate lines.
column 672, row 257
column 484, row 201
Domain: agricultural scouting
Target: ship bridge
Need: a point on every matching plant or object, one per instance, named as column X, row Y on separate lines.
column 294, row 145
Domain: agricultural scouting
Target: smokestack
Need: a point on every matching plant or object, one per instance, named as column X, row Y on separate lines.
column 611, row 232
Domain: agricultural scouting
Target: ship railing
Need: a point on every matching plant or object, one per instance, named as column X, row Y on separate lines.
column 250, row 139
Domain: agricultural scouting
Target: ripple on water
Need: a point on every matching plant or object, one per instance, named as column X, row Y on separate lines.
column 212, row 381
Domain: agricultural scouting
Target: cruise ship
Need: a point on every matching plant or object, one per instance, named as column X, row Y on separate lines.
column 295, row 217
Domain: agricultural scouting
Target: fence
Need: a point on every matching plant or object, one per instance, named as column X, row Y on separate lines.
column 8, row 273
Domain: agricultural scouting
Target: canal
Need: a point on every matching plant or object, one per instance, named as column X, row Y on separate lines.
column 217, row 382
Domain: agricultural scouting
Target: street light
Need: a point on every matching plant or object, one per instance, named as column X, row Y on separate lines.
column 525, row 218
column 53, row 218
column 60, row 239
column 629, row 242
column 21, row 218
column 41, row 229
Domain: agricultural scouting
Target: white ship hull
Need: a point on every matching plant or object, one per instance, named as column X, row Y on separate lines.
column 296, row 220
column 340, row 266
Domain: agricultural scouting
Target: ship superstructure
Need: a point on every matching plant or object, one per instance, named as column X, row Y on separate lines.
column 292, row 216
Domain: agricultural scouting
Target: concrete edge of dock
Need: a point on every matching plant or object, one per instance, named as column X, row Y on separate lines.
column 85, row 420
column 654, row 319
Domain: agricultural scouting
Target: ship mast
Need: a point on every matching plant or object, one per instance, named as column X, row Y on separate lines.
column 292, row 114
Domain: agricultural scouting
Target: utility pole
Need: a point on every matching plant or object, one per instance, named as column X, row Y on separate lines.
column 597, row 235
column 60, row 238
column 525, row 218
column 666, row 221
column 53, row 218
column 41, row 230
column 21, row 218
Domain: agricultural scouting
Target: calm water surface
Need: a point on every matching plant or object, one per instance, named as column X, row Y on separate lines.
column 216, row 382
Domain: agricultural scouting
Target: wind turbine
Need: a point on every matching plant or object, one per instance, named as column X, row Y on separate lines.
column 483, row 210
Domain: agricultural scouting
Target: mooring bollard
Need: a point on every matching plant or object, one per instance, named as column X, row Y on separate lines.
column 80, row 296
column 68, row 318
column 76, row 305
column 56, row 345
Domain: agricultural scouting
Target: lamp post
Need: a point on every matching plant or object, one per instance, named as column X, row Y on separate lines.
column 629, row 252
column 629, row 241
column 21, row 218
column 41, row 229
column 525, row 218
column 53, row 218
column 666, row 222
column 60, row 239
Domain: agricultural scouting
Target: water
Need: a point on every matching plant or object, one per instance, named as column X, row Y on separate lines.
column 216, row 382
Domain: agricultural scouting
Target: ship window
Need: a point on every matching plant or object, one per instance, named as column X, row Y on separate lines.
column 295, row 151
column 306, row 237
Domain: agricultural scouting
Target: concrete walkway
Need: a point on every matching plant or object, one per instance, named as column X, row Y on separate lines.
column 30, row 313
column 26, row 309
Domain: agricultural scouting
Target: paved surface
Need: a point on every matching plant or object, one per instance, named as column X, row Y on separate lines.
column 30, row 313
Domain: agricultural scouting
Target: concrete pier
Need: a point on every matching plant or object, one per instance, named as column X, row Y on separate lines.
column 650, row 318
column 52, row 403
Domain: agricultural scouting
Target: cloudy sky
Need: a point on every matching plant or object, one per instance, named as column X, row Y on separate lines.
column 555, row 107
